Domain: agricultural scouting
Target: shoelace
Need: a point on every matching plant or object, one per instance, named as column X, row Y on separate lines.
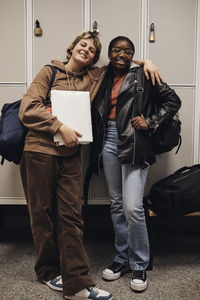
column 138, row 274
column 115, row 266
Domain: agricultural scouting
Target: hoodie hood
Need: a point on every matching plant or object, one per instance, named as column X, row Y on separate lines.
column 61, row 67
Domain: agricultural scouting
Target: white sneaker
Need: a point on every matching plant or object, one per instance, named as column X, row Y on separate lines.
column 92, row 293
column 139, row 280
column 55, row 284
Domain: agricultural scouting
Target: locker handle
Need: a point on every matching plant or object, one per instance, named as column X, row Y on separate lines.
column 38, row 29
column 152, row 33
column 95, row 28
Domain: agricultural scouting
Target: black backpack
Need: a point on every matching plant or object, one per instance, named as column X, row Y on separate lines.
column 12, row 131
column 167, row 134
column 177, row 194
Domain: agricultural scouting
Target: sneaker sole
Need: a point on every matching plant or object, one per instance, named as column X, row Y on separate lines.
column 139, row 287
column 78, row 298
column 115, row 276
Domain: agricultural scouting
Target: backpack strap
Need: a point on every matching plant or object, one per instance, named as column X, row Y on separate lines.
column 54, row 71
column 139, row 89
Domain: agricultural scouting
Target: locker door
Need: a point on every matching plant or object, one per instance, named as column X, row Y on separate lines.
column 174, row 47
column 117, row 18
column 12, row 32
column 12, row 81
column 174, row 53
column 114, row 18
column 60, row 21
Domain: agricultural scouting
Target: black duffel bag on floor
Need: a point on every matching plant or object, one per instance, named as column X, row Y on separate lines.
column 177, row 194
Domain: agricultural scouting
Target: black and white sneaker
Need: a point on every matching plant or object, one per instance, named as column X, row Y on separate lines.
column 139, row 280
column 92, row 293
column 115, row 271
column 55, row 284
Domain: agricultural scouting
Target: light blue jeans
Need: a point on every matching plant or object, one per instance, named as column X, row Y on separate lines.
column 126, row 188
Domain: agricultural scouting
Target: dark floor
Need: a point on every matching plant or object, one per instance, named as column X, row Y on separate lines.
column 176, row 270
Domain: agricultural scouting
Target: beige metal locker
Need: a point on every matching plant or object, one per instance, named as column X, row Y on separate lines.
column 123, row 18
column 175, row 34
column 117, row 18
column 12, row 82
column 12, row 32
column 60, row 22
column 174, row 52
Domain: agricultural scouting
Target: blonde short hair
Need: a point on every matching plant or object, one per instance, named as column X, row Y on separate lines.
column 85, row 35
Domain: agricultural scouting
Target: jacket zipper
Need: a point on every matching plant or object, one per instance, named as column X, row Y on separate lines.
column 134, row 136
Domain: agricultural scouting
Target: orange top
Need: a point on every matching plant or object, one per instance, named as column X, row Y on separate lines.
column 114, row 95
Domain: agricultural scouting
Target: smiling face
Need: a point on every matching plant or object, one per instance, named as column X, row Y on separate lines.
column 83, row 53
column 120, row 55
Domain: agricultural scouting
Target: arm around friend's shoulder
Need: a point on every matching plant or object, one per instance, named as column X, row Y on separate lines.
column 150, row 70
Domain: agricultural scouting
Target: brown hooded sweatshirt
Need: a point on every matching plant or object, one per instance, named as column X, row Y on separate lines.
column 41, row 124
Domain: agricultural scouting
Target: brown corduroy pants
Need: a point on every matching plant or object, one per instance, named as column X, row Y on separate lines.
column 52, row 187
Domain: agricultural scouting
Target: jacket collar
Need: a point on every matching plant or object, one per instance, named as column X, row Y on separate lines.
column 129, row 81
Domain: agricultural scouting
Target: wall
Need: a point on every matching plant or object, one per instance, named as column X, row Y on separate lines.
column 175, row 51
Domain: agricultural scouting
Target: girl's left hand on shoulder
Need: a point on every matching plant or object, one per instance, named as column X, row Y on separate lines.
column 139, row 123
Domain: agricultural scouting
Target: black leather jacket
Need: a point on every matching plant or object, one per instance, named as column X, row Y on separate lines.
column 134, row 146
